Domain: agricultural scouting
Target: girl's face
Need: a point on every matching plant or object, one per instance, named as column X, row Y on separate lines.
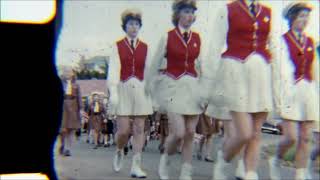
column 132, row 27
column 301, row 21
column 186, row 17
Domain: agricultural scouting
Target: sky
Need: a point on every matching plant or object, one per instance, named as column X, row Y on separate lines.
column 91, row 27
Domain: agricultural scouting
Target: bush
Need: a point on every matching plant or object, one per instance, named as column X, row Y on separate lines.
column 289, row 156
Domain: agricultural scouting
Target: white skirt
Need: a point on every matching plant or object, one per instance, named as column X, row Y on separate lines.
column 177, row 96
column 301, row 102
column 133, row 101
column 316, row 127
column 221, row 113
column 244, row 87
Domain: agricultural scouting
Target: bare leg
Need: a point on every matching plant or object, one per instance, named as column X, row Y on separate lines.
column 252, row 150
column 316, row 150
column 96, row 136
column 176, row 132
column 303, row 147
column 69, row 137
column 208, row 146
column 138, row 134
column 288, row 139
column 123, row 128
column 191, row 123
column 106, row 139
column 200, row 150
column 62, row 137
column 243, row 127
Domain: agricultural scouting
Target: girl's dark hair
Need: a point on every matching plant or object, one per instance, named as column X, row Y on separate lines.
column 127, row 19
column 293, row 12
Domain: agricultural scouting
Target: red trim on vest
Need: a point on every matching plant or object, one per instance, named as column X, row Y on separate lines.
column 132, row 61
column 301, row 55
column 181, row 56
column 247, row 34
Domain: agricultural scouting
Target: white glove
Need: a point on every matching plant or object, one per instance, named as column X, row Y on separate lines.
column 206, row 87
column 105, row 120
column 114, row 99
column 146, row 91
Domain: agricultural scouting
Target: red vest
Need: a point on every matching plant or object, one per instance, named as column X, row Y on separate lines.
column 247, row 34
column 301, row 55
column 132, row 61
column 181, row 56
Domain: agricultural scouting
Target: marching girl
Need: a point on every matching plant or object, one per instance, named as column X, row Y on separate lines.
column 245, row 87
column 297, row 82
column 315, row 152
column 177, row 88
column 128, row 95
column 72, row 105
column 97, row 114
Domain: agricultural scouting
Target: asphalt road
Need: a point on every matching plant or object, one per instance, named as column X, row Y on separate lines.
column 87, row 163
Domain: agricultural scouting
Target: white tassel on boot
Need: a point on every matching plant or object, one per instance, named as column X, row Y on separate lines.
column 164, row 164
column 186, row 172
column 136, row 171
column 240, row 171
column 219, row 167
column 300, row 174
column 309, row 170
column 274, row 167
column 251, row 175
column 118, row 160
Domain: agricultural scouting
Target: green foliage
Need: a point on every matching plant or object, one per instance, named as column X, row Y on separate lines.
column 289, row 156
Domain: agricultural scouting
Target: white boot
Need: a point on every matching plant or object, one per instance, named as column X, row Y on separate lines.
column 240, row 171
column 251, row 175
column 186, row 172
column 163, row 170
column 300, row 174
column 219, row 167
column 117, row 160
column 136, row 170
column 274, row 167
column 309, row 170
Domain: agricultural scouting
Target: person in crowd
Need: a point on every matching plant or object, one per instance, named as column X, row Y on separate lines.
column 72, row 107
column 97, row 115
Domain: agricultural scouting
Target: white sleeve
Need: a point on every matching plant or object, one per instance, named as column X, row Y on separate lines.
column 281, row 75
column 275, row 35
column 219, row 31
column 315, row 68
column 147, row 65
column 156, row 62
column 114, row 68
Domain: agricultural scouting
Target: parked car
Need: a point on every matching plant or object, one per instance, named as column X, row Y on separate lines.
column 271, row 128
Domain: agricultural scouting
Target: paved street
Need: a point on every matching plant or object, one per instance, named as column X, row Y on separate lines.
column 87, row 163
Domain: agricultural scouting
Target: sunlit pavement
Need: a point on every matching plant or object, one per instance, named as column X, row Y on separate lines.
column 96, row 164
